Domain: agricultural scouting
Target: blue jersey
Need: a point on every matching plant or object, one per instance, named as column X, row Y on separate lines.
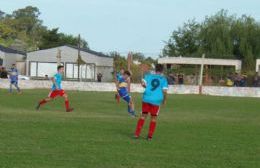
column 13, row 75
column 58, row 78
column 122, row 82
column 155, row 85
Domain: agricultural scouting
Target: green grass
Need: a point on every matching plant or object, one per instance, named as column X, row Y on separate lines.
column 193, row 132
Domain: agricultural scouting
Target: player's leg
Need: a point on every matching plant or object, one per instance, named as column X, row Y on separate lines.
column 52, row 95
column 17, row 87
column 67, row 104
column 140, row 124
column 10, row 87
column 154, row 113
column 152, row 127
column 130, row 104
column 43, row 101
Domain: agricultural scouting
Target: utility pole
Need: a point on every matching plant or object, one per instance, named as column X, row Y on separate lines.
column 78, row 58
column 59, row 57
column 201, row 74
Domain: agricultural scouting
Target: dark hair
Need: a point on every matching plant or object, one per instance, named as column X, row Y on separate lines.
column 158, row 68
column 128, row 73
column 59, row 67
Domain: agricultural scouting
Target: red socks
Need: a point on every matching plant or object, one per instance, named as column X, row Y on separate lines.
column 151, row 129
column 42, row 102
column 118, row 98
column 67, row 104
column 139, row 127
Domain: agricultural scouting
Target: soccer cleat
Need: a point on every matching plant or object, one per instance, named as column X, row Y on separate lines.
column 38, row 106
column 136, row 137
column 70, row 110
column 149, row 138
column 132, row 113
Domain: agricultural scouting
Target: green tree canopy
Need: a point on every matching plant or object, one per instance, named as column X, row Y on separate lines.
column 218, row 36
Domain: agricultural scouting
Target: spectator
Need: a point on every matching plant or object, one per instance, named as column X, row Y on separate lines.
column 237, row 79
column 46, row 77
column 256, row 80
column 4, row 73
column 180, row 79
column 193, row 79
column 99, row 77
column 243, row 81
column 171, row 79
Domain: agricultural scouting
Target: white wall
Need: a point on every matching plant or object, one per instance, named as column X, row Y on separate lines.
column 109, row 87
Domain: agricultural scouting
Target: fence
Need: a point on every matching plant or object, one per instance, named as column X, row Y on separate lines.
column 110, row 87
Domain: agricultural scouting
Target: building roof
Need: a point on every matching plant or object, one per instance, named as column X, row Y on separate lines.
column 10, row 50
column 100, row 54
column 200, row 61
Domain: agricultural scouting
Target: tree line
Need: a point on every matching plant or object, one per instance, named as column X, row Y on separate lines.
column 219, row 36
column 24, row 30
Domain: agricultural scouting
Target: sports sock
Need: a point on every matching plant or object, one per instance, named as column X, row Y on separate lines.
column 151, row 129
column 67, row 104
column 42, row 102
column 118, row 98
column 139, row 127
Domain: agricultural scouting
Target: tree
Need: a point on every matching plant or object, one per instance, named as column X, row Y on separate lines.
column 184, row 41
column 52, row 38
column 218, row 36
column 23, row 29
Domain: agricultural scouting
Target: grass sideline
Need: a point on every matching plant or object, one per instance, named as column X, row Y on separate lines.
column 193, row 132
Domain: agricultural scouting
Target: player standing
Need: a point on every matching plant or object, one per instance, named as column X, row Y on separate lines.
column 13, row 76
column 122, row 85
column 57, row 90
column 155, row 94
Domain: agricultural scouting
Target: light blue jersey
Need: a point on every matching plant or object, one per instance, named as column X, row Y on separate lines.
column 155, row 84
column 58, row 78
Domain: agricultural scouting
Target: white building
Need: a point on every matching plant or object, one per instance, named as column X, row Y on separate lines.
column 10, row 56
column 44, row 62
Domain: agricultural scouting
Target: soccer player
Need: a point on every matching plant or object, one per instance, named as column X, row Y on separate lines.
column 122, row 85
column 118, row 77
column 57, row 90
column 155, row 94
column 13, row 76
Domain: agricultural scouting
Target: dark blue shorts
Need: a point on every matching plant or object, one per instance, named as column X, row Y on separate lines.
column 124, row 94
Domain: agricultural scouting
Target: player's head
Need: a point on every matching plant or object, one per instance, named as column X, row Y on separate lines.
column 60, row 68
column 127, row 74
column 122, row 70
column 13, row 65
column 159, row 68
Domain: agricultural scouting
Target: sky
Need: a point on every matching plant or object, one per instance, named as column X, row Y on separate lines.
column 128, row 25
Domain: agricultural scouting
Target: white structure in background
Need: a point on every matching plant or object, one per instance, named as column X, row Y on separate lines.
column 44, row 62
column 200, row 61
column 257, row 65
column 10, row 56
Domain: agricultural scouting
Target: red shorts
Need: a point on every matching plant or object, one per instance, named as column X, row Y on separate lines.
column 150, row 108
column 56, row 93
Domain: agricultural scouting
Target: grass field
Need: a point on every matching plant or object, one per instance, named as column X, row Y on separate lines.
column 193, row 132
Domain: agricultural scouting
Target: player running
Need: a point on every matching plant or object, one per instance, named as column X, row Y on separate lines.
column 155, row 93
column 56, row 90
column 123, row 87
column 13, row 76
